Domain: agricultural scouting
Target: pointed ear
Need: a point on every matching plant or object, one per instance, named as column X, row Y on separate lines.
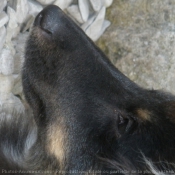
column 170, row 110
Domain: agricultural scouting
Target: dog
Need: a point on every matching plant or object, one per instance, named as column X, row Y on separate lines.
column 87, row 117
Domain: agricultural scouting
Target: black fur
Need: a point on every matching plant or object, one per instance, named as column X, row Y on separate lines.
column 108, row 123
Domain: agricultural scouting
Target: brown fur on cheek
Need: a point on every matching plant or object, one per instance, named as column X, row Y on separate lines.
column 56, row 139
column 144, row 114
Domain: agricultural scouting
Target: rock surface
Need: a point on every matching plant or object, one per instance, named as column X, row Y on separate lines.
column 3, row 19
column 3, row 3
column 6, row 62
column 63, row 4
column 46, row 2
column 2, row 38
column 74, row 12
column 94, row 30
column 34, row 7
column 141, row 41
column 84, row 9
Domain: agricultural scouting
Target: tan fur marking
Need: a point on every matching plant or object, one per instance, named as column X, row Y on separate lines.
column 56, row 141
column 144, row 114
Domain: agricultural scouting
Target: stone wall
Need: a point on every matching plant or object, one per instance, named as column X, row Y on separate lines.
column 141, row 41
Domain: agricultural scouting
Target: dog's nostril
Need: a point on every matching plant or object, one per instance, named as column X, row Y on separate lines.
column 43, row 23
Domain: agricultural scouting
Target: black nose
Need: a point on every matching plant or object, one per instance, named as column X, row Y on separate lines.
column 47, row 19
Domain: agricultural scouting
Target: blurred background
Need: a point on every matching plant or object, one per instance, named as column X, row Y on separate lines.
column 138, row 36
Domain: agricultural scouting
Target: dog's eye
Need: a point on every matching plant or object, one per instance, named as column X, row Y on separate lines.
column 121, row 120
column 124, row 124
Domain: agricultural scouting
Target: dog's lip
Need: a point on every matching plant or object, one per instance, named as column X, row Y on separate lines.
column 46, row 30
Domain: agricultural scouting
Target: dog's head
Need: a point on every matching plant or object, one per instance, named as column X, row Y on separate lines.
column 86, row 110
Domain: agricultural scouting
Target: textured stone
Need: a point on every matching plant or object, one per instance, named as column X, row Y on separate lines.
column 2, row 38
column 21, row 9
column 84, row 9
column 11, row 104
column 12, row 18
column 19, row 56
column 20, row 42
column 97, row 4
column 34, row 7
column 88, row 23
column 17, row 63
column 108, row 3
column 105, row 25
column 46, row 2
column 74, row 11
column 63, row 4
column 6, row 85
column 12, row 29
column 17, row 88
column 28, row 25
column 141, row 41
column 93, row 31
column 6, row 62
column 3, row 3
column 3, row 18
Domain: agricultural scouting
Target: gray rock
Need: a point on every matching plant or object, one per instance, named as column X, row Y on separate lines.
column 7, row 83
column 84, row 9
column 108, row 3
column 141, row 41
column 88, row 23
column 6, row 62
column 63, row 4
column 2, row 38
column 74, row 11
column 20, row 42
column 17, row 88
column 3, row 18
column 97, row 4
column 46, row 2
column 34, row 7
column 8, row 102
column 11, row 104
column 94, row 30
column 28, row 25
column 12, row 29
column 3, row 3
column 17, row 63
column 12, row 17
column 105, row 25
column 22, row 10
column 20, row 47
